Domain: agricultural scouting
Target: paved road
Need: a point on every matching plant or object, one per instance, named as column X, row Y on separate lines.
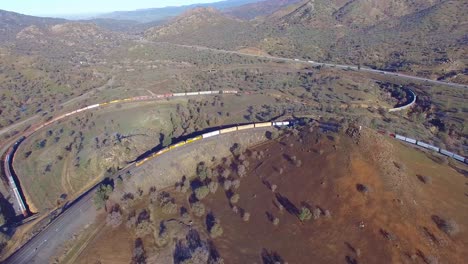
column 314, row 63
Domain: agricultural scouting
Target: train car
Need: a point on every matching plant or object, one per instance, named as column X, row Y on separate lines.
column 228, row 130
column 285, row 123
column 193, row 93
column 422, row 144
column 168, row 95
column 266, row 124
column 179, row 94
column 205, row 92
column 210, row 134
column 127, row 99
column 458, row 157
column 245, row 127
column 141, row 162
column 410, row 140
column 162, row 151
column 399, row 137
column 103, row 104
column 310, row 61
column 447, row 153
column 434, row 148
column 114, row 101
column 190, row 140
column 180, row 144
column 230, row 92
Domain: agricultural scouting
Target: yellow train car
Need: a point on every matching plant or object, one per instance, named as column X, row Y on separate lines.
column 246, row 127
column 141, row 162
column 267, row 124
column 180, row 144
column 228, row 130
column 114, row 101
column 103, row 104
column 190, row 140
column 162, row 151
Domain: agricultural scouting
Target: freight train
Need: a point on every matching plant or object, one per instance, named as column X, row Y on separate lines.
column 213, row 134
column 430, row 147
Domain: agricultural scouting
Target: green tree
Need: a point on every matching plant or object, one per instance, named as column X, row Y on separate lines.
column 305, row 214
column 201, row 192
column 102, row 195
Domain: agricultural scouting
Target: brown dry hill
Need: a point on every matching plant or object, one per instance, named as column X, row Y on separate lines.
column 370, row 201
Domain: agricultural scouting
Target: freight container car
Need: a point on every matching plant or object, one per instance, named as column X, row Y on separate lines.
column 228, row 130
column 211, row 134
column 246, row 127
column 266, row 124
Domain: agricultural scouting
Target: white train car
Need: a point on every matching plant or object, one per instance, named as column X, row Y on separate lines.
column 410, row 140
column 179, row 94
column 193, row 93
column 458, row 157
column 437, row 149
column 205, row 92
column 399, row 137
column 278, row 124
column 447, row 153
column 210, row 134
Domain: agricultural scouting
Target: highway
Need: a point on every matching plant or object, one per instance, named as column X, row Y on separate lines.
column 79, row 214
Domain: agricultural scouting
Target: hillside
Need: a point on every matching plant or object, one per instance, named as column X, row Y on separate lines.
column 253, row 10
column 158, row 14
column 11, row 23
column 268, row 203
column 202, row 26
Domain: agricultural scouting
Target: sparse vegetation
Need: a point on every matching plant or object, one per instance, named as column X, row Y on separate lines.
column 305, row 214
column 201, row 192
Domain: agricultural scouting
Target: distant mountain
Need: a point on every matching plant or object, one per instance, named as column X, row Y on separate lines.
column 11, row 23
column 203, row 26
column 157, row 14
column 253, row 10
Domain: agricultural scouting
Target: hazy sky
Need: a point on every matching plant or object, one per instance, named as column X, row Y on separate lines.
column 66, row 7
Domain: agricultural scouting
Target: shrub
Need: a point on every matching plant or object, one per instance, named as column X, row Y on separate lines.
column 450, row 227
column 241, row 170
column 213, row 186
column 363, row 188
column 236, row 184
column 216, row 230
column 139, row 256
column 201, row 192
column 235, row 198
column 169, row 208
column 316, row 213
column 246, row 216
column 305, row 214
column 225, row 174
column 114, row 218
column 227, row 184
column 276, row 221
column 161, row 238
column 102, row 195
column 143, row 228
column 274, row 187
column 424, row 179
column 198, row 209
column 202, row 171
